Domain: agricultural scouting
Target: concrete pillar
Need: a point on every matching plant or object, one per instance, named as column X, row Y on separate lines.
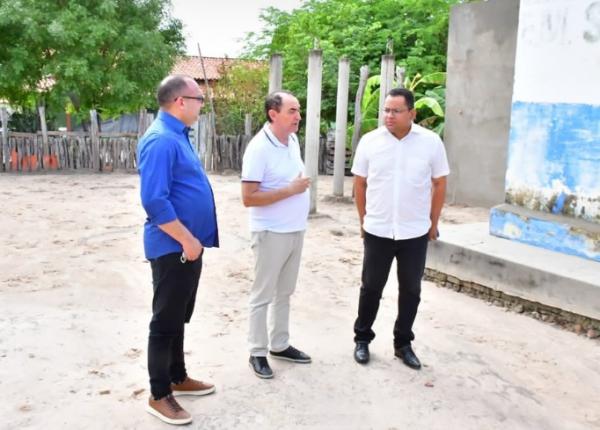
column 5, row 152
column 364, row 76
column 95, row 140
column 42, row 113
column 248, row 124
column 313, row 122
column 400, row 74
column 275, row 73
column 341, row 121
column 387, row 79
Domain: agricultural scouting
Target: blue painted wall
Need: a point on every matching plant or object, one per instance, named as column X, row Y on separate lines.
column 553, row 163
column 554, row 158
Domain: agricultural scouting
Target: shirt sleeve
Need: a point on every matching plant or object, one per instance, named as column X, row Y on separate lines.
column 253, row 164
column 439, row 166
column 360, row 164
column 156, row 160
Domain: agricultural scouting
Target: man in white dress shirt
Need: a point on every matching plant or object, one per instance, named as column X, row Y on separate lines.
column 400, row 174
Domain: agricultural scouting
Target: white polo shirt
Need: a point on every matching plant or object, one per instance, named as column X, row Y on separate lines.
column 275, row 165
column 399, row 173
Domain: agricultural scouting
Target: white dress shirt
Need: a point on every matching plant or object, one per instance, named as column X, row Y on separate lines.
column 399, row 174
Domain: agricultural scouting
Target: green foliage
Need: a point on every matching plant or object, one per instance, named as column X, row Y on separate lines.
column 357, row 29
column 430, row 99
column 430, row 102
column 240, row 90
column 102, row 54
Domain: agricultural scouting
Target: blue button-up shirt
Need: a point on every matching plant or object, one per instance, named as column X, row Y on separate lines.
column 173, row 186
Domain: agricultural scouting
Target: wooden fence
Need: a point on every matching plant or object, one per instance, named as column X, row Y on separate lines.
column 32, row 152
column 106, row 152
column 27, row 152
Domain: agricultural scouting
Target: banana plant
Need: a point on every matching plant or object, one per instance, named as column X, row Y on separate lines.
column 430, row 101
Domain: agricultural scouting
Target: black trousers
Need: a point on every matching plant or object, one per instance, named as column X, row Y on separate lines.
column 378, row 256
column 175, row 285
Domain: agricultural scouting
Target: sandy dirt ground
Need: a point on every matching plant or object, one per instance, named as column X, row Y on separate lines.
column 75, row 294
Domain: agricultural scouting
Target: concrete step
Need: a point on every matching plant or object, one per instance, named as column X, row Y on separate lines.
column 470, row 253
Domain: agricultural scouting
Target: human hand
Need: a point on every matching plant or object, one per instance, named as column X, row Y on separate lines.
column 192, row 249
column 299, row 184
column 433, row 233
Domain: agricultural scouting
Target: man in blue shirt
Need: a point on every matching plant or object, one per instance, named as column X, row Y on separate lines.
column 179, row 202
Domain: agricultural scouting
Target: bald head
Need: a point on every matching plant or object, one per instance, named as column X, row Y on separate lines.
column 180, row 96
column 172, row 87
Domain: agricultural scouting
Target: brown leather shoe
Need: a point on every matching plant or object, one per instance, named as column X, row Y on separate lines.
column 191, row 387
column 168, row 410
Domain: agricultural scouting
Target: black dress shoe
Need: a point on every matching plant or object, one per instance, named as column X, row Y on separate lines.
column 291, row 354
column 408, row 357
column 361, row 352
column 261, row 367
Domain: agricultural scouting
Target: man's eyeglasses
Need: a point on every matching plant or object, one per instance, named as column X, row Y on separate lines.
column 199, row 98
column 394, row 111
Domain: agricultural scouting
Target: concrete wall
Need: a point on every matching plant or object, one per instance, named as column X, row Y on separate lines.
column 481, row 56
column 554, row 146
column 554, row 150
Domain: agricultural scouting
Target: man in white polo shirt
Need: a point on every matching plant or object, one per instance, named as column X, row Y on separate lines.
column 400, row 174
column 275, row 189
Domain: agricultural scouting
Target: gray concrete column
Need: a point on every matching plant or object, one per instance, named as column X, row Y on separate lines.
column 364, row 76
column 387, row 80
column 341, row 122
column 275, row 73
column 248, row 124
column 5, row 151
column 313, row 122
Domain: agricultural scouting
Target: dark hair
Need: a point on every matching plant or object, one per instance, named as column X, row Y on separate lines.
column 274, row 101
column 170, row 88
column 409, row 98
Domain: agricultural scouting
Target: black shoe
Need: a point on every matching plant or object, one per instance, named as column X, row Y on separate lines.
column 291, row 354
column 361, row 352
column 408, row 357
column 261, row 367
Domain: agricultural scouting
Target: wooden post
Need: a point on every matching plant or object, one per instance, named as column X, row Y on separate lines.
column 275, row 73
column 387, row 78
column 4, row 151
column 95, row 140
column 364, row 76
column 313, row 122
column 210, row 138
column 197, row 138
column 212, row 126
column 341, row 122
column 248, row 124
column 202, row 132
column 45, row 152
column 141, row 123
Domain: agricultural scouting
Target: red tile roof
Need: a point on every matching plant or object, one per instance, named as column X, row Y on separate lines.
column 191, row 65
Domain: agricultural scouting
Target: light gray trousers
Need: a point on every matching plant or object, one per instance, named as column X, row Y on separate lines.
column 277, row 261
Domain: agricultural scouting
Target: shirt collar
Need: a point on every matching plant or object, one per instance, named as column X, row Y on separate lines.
column 413, row 130
column 172, row 123
column 272, row 138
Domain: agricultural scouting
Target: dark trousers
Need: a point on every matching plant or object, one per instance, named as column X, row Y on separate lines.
column 378, row 256
column 175, row 285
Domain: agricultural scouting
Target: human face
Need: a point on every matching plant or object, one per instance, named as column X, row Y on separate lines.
column 397, row 116
column 287, row 120
column 189, row 104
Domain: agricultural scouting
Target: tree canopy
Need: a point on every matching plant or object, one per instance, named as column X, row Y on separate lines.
column 240, row 91
column 357, row 29
column 84, row 54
